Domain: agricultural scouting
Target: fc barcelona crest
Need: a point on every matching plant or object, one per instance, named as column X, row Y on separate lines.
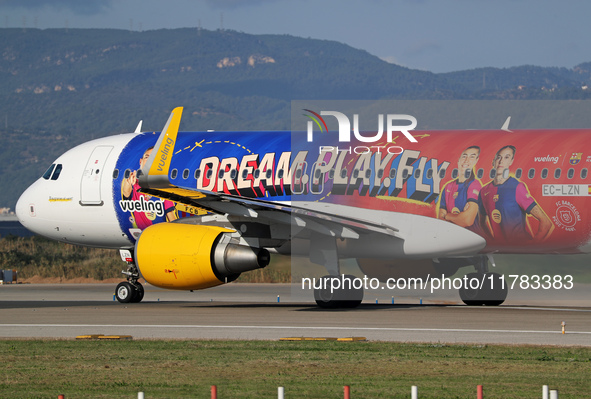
column 575, row 158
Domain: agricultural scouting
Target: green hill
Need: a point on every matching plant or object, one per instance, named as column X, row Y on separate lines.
column 62, row 87
column 70, row 80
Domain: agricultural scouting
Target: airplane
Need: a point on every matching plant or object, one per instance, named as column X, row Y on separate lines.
column 193, row 210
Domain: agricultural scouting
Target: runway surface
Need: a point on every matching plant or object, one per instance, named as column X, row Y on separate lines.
column 251, row 311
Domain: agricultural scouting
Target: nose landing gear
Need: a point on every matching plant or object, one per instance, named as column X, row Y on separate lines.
column 127, row 292
column 130, row 291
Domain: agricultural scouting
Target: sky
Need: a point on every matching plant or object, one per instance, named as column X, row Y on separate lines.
column 433, row 35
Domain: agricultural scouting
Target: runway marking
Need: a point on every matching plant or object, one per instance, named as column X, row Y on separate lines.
column 294, row 328
column 522, row 308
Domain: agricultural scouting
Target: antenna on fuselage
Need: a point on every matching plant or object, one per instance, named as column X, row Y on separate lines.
column 138, row 129
column 506, row 125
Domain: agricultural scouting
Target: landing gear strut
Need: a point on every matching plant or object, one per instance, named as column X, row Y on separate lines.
column 483, row 287
column 130, row 291
column 336, row 291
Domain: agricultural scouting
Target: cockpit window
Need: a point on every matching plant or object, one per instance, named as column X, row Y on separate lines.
column 53, row 172
column 57, row 171
column 48, row 172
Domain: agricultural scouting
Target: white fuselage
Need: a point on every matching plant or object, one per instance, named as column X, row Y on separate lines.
column 77, row 207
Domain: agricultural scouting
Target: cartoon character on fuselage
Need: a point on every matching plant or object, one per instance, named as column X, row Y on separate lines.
column 130, row 192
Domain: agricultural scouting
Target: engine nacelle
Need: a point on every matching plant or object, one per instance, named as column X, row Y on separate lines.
column 189, row 257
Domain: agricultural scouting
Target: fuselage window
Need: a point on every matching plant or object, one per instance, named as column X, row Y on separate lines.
column 405, row 174
column 392, row 173
column 368, row 173
column 355, row 173
column 197, row 173
column 186, row 174
column 330, row 173
column 429, row 173
column 269, row 173
column 256, row 174
column 518, row 173
column 442, row 173
column 280, row 174
column 221, row 173
column 233, row 174
column 126, row 174
column 468, row 173
column 48, row 172
column 531, row 173
column 417, row 173
column 557, row 173
column 480, row 173
column 571, row 173
column 174, row 173
column 115, row 174
column 380, row 173
column 493, row 173
column 244, row 174
column 209, row 173
column 454, row 174
column 544, row 173
column 584, row 173
column 56, row 172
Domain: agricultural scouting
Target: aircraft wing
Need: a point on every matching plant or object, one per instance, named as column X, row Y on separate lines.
column 298, row 215
column 154, row 181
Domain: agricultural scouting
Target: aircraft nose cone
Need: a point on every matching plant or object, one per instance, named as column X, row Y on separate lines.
column 25, row 209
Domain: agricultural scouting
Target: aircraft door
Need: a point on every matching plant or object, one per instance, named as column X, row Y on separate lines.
column 90, row 186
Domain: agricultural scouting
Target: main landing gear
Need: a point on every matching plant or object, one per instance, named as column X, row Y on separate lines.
column 483, row 287
column 338, row 293
column 335, row 290
column 130, row 291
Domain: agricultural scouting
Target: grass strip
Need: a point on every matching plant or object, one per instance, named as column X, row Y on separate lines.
column 310, row 369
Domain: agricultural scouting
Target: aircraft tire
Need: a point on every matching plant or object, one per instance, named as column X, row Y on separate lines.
column 138, row 293
column 337, row 298
column 496, row 290
column 493, row 293
column 124, row 292
column 468, row 295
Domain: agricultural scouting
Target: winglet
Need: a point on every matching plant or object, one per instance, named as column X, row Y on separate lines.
column 506, row 125
column 154, row 174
